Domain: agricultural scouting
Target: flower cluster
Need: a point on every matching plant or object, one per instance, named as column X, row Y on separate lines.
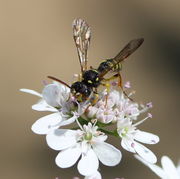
column 85, row 142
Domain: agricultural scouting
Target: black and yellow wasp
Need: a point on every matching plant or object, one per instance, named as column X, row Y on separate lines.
column 90, row 80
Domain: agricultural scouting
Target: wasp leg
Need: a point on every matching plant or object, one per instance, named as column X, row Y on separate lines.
column 95, row 99
column 121, row 86
column 107, row 85
column 118, row 75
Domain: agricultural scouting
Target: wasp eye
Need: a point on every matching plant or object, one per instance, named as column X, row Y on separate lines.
column 89, row 81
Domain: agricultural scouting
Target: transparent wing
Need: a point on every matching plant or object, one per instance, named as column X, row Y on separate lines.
column 82, row 36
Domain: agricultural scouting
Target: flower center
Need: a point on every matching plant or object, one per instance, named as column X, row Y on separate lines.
column 124, row 132
column 88, row 136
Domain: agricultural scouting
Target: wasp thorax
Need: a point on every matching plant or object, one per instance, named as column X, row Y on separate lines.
column 80, row 90
column 105, row 65
column 91, row 78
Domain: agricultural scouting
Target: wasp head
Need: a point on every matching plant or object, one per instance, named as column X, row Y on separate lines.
column 80, row 90
column 91, row 78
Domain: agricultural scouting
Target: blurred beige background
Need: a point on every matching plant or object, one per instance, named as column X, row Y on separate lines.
column 36, row 41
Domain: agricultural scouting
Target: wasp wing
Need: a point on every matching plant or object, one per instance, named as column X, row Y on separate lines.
column 82, row 36
column 130, row 48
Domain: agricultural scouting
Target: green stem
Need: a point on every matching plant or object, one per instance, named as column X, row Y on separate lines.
column 113, row 133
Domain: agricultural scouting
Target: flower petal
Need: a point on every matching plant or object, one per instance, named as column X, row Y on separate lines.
column 146, row 137
column 68, row 121
column 128, row 145
column 88, row 164
column 46, row 123
column 43, row 106
column 61, row 139
column 51, row 95
column 169, row 168
column 156, row 169
column 107, row 154
column 96, row 175
column 31, row 92
column 68, row 157
column 178, row 168
column 145, row 153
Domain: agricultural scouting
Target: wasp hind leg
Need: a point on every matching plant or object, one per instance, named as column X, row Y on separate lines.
column 95, row 97
column 120, row 84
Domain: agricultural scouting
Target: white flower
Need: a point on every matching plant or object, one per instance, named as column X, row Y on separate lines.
column 54, row 98
column 130, row 135
column 103, row 110
column 126, row 108
column 168, row 170
column 87, row 143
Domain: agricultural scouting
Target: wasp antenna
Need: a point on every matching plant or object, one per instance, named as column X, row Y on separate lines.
column 58, row 80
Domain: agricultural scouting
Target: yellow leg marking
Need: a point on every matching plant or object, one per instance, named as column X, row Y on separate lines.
column 93, row 100
column 96, row 98
column 120, row 81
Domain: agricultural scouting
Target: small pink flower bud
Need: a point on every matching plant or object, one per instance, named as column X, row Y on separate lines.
column 127, row 84
column 149, row 105
column 149, row 115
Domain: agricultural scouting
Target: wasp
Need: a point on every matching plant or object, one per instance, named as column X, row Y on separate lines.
column 90, row 79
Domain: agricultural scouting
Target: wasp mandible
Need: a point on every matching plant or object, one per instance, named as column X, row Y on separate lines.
column 90, row 80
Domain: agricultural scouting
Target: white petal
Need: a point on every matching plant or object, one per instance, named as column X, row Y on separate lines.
column 169, row 168
column 68, row 157
column 127, row 145
column 146, row 137
column 88, row 164
column 100, row 138
column 68, row 121
column 178, row 168
column 156, row 169
column 31, row 92
column 51, row 95
column 145, row 153
column 107, row 153
column 46, row 123
column 96, row 175
column 43, row 106
column 61, row 139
